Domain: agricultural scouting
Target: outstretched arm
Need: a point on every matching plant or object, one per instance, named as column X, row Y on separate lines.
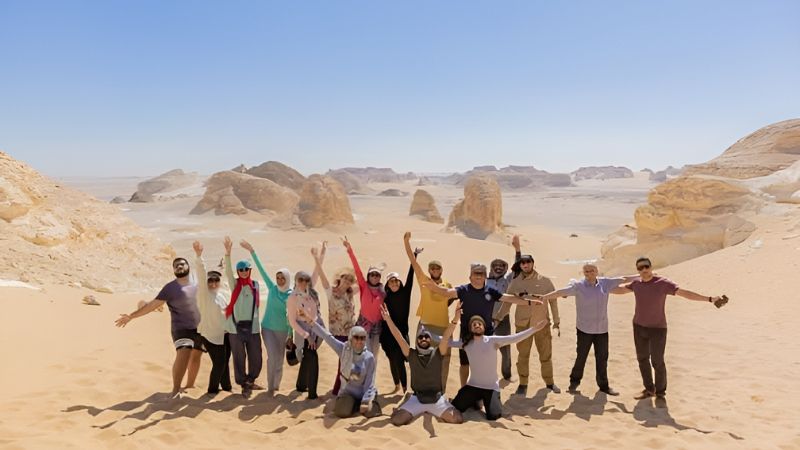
column 689, row 295
column 525, row 300
column 566, row 292
column 398, row 336
column 621, row 290
column 500, row 341
column 328, row 337
column 427, row 283
column 147, row 308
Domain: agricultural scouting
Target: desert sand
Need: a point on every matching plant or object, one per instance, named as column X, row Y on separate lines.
column 73, row 380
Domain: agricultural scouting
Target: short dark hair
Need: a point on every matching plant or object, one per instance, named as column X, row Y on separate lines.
column 643, row 259
column 179, row 259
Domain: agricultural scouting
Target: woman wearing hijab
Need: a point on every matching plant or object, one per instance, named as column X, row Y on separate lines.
column 341, row 310
column 304, row 302
column 372, row 295
column 241, row 319
column 357, row 370
column 398, row 303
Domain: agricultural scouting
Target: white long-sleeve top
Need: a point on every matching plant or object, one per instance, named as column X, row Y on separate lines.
column 482, row 354
column 212, row 307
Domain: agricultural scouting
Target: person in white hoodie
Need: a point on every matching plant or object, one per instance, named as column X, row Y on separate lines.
column 212, row 301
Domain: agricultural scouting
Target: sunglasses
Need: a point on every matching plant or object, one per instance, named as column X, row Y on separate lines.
column 307, row 280
column 359, row 338
column 642, row 267
column 423, row 336
column 374, row 274
column 243, row 270
column 213, row 280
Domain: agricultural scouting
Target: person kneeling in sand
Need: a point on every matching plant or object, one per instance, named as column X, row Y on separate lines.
column 483, row 382
column 357, row 370
column 425, row 363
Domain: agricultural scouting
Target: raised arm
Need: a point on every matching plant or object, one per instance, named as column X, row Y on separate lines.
column 362, row 283
column 200, row 273
column 398, row 336
column 444, row 342
column 321, row 256
column 335, row 344
column 264, row 275
column 228, row 267
column 412, row 257
column 318, row 267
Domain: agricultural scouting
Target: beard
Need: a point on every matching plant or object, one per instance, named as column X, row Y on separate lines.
column 181, row 273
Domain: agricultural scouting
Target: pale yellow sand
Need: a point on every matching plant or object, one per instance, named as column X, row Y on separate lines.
column 72, row 380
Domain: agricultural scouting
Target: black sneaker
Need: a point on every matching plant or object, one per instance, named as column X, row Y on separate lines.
column 609, row 391
column 573, row 388
column 554, row 388
column 522, row 389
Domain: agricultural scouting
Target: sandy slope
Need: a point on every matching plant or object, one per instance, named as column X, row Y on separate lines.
column 74, row 381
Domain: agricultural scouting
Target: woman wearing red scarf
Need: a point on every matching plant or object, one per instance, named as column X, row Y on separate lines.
column 241, row 321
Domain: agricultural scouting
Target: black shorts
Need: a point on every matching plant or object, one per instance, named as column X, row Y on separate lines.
column 462, row 357
column 187, row 339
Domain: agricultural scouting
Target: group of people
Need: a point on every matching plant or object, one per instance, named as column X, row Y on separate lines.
column 204, row 317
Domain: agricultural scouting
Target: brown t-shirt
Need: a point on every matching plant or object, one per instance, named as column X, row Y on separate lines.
column 651, row 298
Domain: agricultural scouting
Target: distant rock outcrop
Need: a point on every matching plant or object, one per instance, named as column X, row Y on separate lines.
column 351, row 184
column 234, row 193
column 323, row 201
column 601, row 173
column 662, row 175
column 480, row 212
column 376, row 174
column 711, row 205
column 424, row 206
column 516, row 177
column 393, row 193
column 280, row 174
column 771, row 148
column 56, row 235
column 117, row 200
column 168, row 182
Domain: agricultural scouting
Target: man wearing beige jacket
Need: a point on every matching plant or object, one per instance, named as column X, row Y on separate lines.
column 528, row 281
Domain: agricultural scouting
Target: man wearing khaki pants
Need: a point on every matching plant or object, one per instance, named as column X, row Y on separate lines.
column 528, row 281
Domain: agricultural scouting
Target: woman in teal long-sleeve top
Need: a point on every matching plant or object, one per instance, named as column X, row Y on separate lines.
column 275, row 329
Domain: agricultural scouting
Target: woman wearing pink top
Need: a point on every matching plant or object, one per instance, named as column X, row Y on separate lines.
column 372, row 295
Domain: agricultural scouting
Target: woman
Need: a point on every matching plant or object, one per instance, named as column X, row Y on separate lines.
column 341, row 310
column 372, row 295
column 398, row 303
column 304, row 301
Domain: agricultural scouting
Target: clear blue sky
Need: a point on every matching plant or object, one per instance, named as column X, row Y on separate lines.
column 141, row 87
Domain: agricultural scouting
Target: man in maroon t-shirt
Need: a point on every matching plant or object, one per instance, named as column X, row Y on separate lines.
column 650, row 324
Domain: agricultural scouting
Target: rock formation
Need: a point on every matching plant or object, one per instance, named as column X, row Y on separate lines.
column 234, row 193
column 393, row 193
column 54, row 234
column 480, row 212
column 662, row 175
column 516, row 177
column 601, row 173
column 164, row 184
column 323, row 201
column 424, row 206
column 280, row 174
column 351, row 184
column 771, row 148
column 709, row 207
column 376, row 174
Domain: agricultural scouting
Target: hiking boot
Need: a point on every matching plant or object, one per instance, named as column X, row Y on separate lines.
column 609, row 391
column 522, row 389
column 644, row 394
column 554, row 388
column 573, row 388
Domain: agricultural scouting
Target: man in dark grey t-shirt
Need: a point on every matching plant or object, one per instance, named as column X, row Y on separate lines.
column 180, row 297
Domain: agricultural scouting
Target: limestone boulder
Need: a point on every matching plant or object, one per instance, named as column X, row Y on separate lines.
column 234, row 193
column 423, row 205
column 767, row 150
column 168, row 182
column 280, row 174
column 351, row 183
column 323, row 202
column 480, row 212
column 393, row 193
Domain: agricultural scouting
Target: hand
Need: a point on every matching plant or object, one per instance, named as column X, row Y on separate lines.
column 346, row 243
column 495, row 323
column 556, row 328
column 720, row 301
column 246, row 245
column 385, row 313
column 289, row 342
column 417, row 251
column 515, row 242
column 324, row 249
column 198, row 248
column 312, row 344
column 228, row 245
column 123, row 320
column 364, row 408
column 407, row 236
column 315, row 253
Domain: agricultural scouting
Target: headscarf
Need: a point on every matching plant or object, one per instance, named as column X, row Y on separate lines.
column 349, row 357
column 286, row 276
column 240, row 283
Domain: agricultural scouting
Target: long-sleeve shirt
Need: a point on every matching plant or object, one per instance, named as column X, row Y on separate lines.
column 364, row 387
column 275, row 311
column 297, row 301
column 212, row 307
column 371, row 296
column 244, row 304
column 399, row 306
column 482, row 354
column 591, row 303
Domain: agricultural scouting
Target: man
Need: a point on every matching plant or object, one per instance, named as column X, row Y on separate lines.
column 528, row 281
column 483, row 383
column 650, row 323
column 477, row 299
column 212, row 302
column 591, row 310
column 499, row 279
column 425, row 363
column 179, row 295
column 432, row 311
